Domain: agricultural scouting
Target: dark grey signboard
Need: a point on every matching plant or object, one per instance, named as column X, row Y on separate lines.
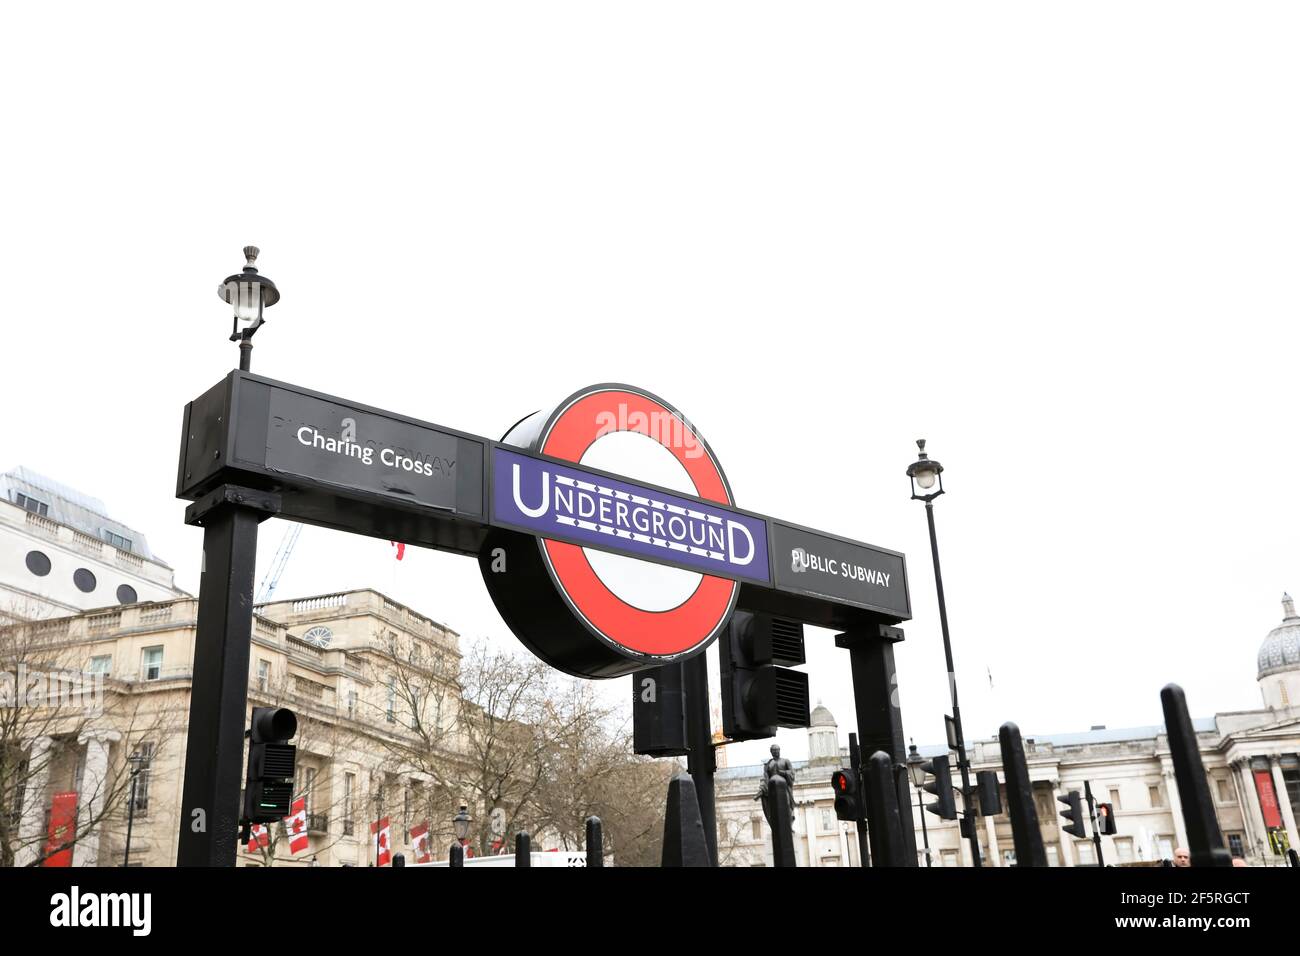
column 822, row 565
column 360, row 450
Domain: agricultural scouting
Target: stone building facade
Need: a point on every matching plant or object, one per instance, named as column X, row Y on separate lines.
column 1252, row 759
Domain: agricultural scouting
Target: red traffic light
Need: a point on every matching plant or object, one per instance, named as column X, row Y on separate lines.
column 840, row 780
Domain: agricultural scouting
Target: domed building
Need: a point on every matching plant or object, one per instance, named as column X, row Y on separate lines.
column 823, row 738
column 1279, row 661
column 1251, row 760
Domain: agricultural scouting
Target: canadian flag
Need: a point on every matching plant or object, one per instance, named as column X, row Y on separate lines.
column 383, row 844
column 420, row 843
column 258, row 838
column 296, row 825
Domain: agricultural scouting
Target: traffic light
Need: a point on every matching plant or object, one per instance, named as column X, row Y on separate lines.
column 990, row 798
column 759, row 690
column 268, row 785
column 848, row 795
column 941, row 787
column 1106, row 819
column 1073, row 813
column 659, row 712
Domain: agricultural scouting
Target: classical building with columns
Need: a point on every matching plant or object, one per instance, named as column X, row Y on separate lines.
column 1252, row 759
column 342, row 662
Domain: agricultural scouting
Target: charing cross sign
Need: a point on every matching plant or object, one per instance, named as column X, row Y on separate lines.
column 605, row 527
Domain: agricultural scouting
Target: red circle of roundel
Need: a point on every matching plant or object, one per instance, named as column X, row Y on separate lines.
column 659, row 633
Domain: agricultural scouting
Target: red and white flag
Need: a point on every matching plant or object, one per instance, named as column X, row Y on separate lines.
column 296, row 826
column 420, row 843
column 401, row 549
column 258, row 838
column 383, row 842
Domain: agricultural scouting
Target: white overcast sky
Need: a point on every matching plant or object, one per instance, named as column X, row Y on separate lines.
column 1057, row 240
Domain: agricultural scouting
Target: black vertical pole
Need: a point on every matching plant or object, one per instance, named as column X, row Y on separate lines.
column 880, row 718
column 1092, row 819
column 699, row 738
column 595, row 842
column 456, row 855
column 399, row 861
column 782, row 824
column 1025, row 831
column 855, row 762
column 962, row 761
column 523, row 849
column 1203, row 835
column 887, row 845
column 214, row 753
column 130, row 819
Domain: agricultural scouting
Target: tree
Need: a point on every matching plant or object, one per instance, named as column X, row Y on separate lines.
column 50, row 709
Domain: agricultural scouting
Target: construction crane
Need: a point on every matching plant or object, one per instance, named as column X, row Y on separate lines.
column 272, row 578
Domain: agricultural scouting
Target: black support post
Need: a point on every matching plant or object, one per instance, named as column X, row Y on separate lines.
column 595, row 842
column 214, row 755
column 1203, row 835
column 699, row 738
column 456, row 855
column 782, row 823
column 887, row 845
column 880, row 721
column 1025, row 831
column 523, row 849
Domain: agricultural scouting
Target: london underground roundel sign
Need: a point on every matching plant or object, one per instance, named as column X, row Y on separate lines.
column 596, row 609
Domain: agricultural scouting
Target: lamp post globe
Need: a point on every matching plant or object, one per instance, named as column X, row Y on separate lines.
column 249, row 294
column 916, row 767
column 926, row 474
column 460, row 823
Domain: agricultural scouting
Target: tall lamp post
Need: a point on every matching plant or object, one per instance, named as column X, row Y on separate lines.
column 249, row 294
column 927, row 484
column 137, row 761
column 916, row 767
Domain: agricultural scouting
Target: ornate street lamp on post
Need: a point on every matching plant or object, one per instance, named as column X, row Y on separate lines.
column 916, row 768
column 927, row 484
column 460, row 824
column 136, row 760
column 249, row 294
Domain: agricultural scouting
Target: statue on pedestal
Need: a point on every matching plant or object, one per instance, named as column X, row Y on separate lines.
column 777, row 766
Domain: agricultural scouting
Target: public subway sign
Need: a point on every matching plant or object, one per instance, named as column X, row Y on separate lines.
column 605, row 527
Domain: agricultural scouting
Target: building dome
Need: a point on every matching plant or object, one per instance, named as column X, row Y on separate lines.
column 821, row 717
column 1281, row 649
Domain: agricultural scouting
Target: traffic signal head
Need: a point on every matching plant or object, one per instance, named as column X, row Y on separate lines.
column 941, row 786
column 1106, row 820
column 990, row 797
column 268, row 784
column 1073, row 813
column 759, row 690
column 659, row 712
column 272, row 725
column 848, row 795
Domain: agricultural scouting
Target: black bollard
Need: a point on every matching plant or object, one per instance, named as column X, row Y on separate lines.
column 1203, row 835
column 684, row 843
column 523, row 849
column 782, row 822
column 1025, row 831
column 887, row 845
column 595, row 842
column 456, row 857
column 398, row 860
